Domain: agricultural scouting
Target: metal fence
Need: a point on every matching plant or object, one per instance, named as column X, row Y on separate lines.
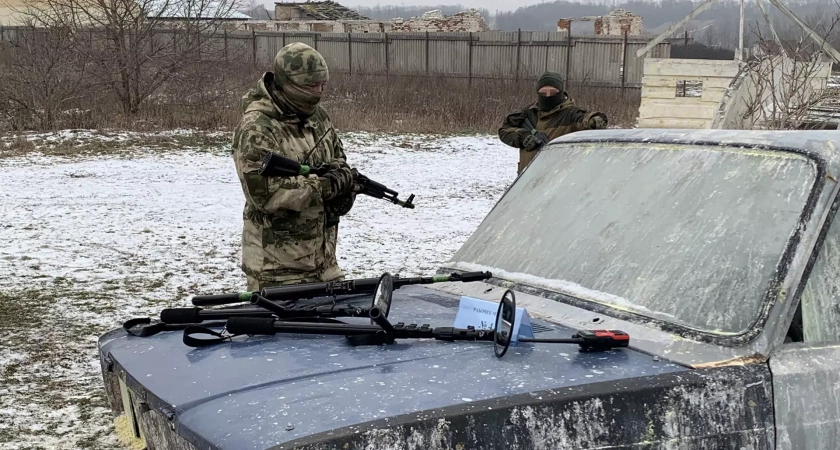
column 590, row 59
column 595, row 60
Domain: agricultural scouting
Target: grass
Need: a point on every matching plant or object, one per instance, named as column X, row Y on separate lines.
column 358, row 102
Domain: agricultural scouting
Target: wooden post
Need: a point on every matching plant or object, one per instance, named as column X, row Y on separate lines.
column 254, row 46
column 387, row 63
column 427, row 53
column 685, row 55
column 568, row 53
column 226, row 45
column 470, row 60
column 518, row 51
column 741, row 35
column 350, row 51
column 624, row 62
column 315, row 41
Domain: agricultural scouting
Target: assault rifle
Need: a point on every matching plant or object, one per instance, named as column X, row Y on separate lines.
column 364, row 286
column 381, row 331
column 265, row 308
column 275, row 165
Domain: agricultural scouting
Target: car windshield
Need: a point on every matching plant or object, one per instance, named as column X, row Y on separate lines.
column 688, row 234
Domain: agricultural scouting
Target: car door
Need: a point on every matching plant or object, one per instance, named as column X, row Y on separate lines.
column 806, row 369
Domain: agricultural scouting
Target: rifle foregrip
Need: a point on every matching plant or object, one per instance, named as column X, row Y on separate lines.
column 251, row 325
column 220, row 299
column 180, row 315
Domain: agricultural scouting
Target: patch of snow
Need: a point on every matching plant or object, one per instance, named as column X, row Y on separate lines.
column 97, row 240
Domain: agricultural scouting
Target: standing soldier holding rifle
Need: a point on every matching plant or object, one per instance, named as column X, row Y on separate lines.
column 553, row 115
column 291, row 223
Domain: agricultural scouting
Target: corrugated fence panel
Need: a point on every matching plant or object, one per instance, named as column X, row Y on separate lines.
column 239, row 48
column 368, row 53
column 532, row 60
column 336, row 50
column 557, row 55
column 266, row 49
column 494, row 61
column 596, row 62
column 407, row 56
column 307, row 39
column 449, row 57
column 492, row 54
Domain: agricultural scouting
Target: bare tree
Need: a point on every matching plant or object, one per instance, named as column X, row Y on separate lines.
column 136, row 46
column 41, row 75
column 787, row 77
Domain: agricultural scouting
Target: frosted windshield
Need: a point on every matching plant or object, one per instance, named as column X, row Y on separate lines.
column 690, row 234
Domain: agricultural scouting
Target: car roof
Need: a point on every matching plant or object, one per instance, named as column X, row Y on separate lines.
column 822, row 144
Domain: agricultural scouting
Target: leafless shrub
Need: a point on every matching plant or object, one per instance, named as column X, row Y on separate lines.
column 41, row 77
column 135, row 46
column 204, row 91
column 787, row 77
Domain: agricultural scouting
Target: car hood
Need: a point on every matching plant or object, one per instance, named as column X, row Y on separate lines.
column 269, row 390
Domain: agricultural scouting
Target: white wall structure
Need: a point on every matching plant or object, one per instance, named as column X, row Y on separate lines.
column 683, row 93
column 703, row 94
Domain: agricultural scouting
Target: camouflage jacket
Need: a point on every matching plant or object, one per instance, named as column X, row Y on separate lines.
column 564, row 119
column 285, row 237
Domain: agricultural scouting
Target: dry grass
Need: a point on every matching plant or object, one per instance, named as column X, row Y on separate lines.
column 451, row 105
column 204, row 93
column 374, row 103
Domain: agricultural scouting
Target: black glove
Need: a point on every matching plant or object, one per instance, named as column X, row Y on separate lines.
column 534, row 140
column 338, row 180
column 598, row 122
column 338, row 207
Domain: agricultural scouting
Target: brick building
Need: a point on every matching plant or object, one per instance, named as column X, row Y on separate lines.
column 613, row 24
column 330, row 17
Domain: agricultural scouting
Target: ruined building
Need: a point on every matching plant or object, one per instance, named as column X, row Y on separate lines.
column 435, row 21
column 315, row 11
column 616, row 23
column 330, row 17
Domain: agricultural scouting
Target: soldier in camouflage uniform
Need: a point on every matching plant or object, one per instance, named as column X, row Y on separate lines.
column 553, row 115
column 291, row 223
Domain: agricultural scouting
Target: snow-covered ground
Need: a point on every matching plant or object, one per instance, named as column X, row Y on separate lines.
column 89, row 242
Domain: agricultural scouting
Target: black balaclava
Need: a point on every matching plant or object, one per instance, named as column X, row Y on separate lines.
column 554, row 80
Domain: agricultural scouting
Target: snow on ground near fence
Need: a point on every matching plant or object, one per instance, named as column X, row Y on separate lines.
column 90, row 242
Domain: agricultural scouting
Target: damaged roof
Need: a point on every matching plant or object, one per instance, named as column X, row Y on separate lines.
column 326, row 10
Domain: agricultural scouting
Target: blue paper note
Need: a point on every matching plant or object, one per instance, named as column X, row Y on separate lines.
column 481, row 314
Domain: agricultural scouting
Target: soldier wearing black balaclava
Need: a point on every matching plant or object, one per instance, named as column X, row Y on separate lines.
column 552, row 115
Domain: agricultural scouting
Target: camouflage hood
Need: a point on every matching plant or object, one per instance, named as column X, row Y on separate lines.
column 259, row 99
column 283, row 94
